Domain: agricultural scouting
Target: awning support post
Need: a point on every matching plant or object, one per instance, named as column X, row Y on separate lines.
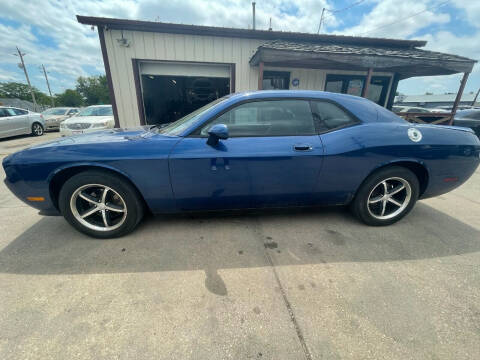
column 260, row 75
column 459, row 96
column 367, row 82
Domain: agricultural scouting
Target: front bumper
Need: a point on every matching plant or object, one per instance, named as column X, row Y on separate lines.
column 69, row 132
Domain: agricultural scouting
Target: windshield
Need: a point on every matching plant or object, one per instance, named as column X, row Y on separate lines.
column 96, row 111
column 55, row 111
column 177, row 127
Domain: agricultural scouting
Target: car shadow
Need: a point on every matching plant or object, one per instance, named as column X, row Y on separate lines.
column 237, row 240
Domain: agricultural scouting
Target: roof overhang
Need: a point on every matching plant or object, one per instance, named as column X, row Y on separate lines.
column 406, row 62
column 153, row 26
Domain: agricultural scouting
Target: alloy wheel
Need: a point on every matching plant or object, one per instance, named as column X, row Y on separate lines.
column 37, row 129
column 389, row 198
column 98, row 207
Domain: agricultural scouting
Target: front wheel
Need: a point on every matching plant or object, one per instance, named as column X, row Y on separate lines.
column 37, row 129
column 386, row 196
column 100, row 204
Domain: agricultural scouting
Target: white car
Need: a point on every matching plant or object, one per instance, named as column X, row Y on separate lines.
column 54, row 116
column 15, row 121
column 92, row 118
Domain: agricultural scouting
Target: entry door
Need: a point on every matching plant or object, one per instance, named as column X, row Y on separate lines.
column 272, row 158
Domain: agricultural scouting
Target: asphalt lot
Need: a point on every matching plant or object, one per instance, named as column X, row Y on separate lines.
column 310, row 284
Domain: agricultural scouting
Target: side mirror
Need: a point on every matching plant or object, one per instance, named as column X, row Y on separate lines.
column 217, row 132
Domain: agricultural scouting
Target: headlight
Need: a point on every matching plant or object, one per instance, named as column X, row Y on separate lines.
column 100, row 124
column 62, row 125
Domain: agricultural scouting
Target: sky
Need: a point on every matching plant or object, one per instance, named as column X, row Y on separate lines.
column 48, row 33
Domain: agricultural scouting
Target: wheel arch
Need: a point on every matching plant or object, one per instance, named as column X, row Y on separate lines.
column 61, row 175
column 417, row 167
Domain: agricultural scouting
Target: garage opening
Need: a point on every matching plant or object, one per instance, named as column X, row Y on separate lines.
column 172, row 90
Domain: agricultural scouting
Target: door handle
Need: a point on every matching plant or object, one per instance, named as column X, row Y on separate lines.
column 302, row 147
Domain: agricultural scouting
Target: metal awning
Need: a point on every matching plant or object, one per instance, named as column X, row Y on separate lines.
column 405, row 61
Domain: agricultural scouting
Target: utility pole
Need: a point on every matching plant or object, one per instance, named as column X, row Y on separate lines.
column 48, row 85
column 253, row 15
column 22, row 65
column 321, row 21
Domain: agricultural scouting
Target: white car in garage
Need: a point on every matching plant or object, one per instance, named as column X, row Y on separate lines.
column 92, row 118
column 15, row 121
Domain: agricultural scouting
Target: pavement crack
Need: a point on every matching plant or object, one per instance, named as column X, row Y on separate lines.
column 288, row 305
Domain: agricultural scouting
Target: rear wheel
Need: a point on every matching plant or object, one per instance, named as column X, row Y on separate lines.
column 37, row 129
column 100, row 204
column 386, row 196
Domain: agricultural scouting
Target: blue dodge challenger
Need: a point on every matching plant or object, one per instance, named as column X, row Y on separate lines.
column 247, row 150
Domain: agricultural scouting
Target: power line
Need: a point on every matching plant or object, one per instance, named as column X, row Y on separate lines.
column 406, row 18
column 345, row 8
column 333, row 12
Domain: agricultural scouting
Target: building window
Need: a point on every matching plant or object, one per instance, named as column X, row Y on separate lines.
column 276, row 80
column 353, row 85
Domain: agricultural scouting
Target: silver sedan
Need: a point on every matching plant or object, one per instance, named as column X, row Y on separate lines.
column 14, row 121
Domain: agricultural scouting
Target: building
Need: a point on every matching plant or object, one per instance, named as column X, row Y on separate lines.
column 158, row 72
column 437, row 101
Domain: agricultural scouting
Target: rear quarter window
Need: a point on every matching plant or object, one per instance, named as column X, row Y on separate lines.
column 329, row 116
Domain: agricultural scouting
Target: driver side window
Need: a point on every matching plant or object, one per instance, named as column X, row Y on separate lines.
column 267, row 118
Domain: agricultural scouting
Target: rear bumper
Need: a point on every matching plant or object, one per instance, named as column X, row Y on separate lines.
column 451, row 177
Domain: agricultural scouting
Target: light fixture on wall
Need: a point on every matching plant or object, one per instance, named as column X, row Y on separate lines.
column 123, row 41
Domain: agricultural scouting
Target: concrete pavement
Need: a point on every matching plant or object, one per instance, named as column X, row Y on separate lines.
column 303, row 284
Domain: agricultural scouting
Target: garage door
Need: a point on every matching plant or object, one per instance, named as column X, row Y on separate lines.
column 185, row 69
column 172, row 90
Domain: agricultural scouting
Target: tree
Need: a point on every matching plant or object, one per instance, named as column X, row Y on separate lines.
column 93, row 89
column 15, row 90
column 69, row 98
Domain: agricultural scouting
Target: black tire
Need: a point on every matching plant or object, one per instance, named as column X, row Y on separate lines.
column 37, row 129
column 122, row 190
column 368, row 208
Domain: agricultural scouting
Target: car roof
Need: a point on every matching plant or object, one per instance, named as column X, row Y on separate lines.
column 362, row 108
column 467, row 111
column 12, row 107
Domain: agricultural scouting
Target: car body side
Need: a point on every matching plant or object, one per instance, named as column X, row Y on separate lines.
column 19, row 124
column 443, row 159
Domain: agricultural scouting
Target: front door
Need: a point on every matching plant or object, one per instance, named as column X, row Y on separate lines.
column 272, row 158
column 10, row 123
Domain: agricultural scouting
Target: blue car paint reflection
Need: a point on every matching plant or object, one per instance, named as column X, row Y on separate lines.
column 181, row 172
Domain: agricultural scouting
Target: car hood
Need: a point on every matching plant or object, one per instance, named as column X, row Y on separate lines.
column 112, row 143
column 88, row 119
column 101, row 136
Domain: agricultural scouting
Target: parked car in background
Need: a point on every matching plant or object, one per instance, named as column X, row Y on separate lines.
column 54, row 116
column 409, row 109
column 247, row 150
column 460, row 107
column 15, row 121
column 468, row 118
column 201, row 90
column 92, row 118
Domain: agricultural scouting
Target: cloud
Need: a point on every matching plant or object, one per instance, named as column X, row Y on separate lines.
column 391, row 18
column 49, row 33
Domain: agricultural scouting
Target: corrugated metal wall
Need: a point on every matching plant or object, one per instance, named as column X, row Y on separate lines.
column 161, row 46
